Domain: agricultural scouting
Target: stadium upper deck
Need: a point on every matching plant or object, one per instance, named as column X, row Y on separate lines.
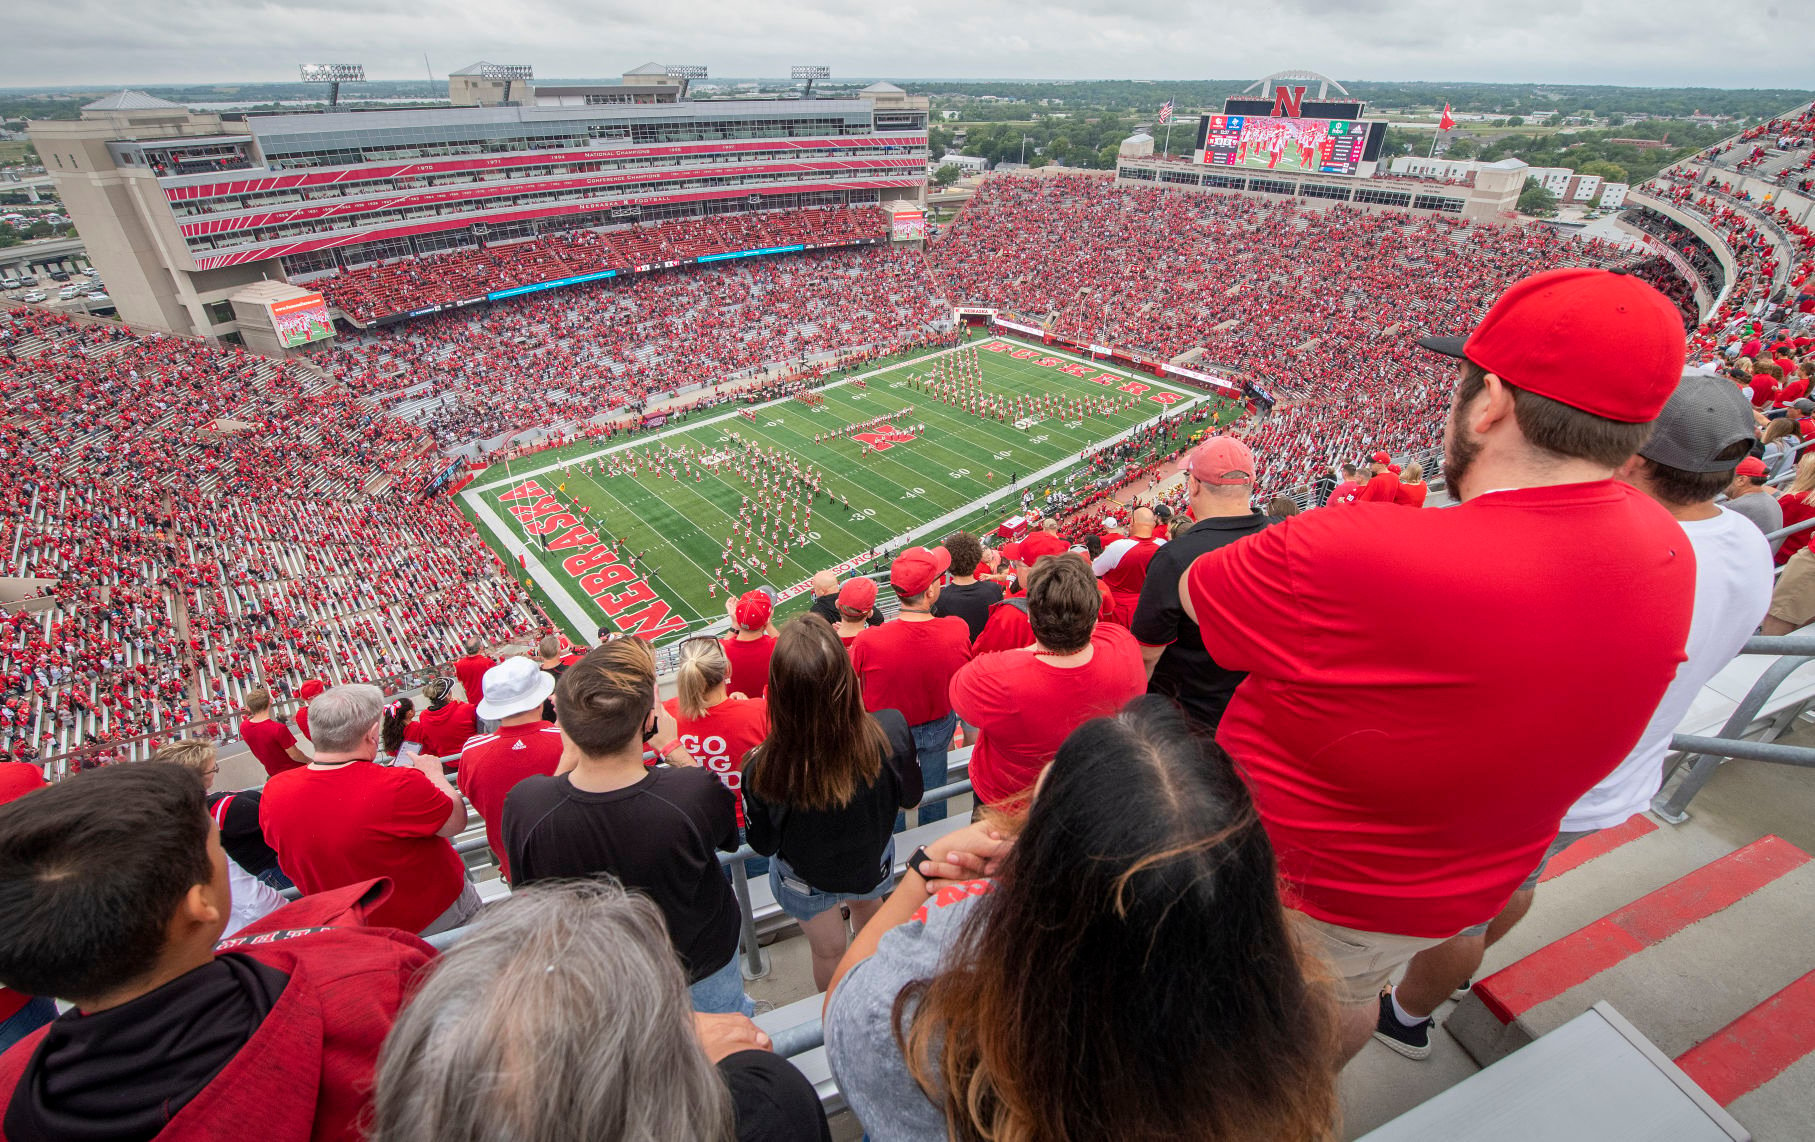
column 181, row 210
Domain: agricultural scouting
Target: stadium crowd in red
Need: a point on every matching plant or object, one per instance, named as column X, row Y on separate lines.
column 563, row 358
column 173, row 486
column 1322, row 308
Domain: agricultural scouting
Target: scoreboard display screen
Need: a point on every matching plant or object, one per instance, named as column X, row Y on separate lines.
column 1294, row 146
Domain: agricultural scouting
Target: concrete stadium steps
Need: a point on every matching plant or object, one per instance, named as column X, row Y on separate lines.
column 1711, row 963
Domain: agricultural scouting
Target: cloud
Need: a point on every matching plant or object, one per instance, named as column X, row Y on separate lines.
column 1655, row 42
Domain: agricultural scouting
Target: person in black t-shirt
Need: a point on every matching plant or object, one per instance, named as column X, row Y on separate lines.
column 825, row 599
column 966, row 596
column 1219, row 475
column 821, row 793
column 657, row 830
column 564, row 1004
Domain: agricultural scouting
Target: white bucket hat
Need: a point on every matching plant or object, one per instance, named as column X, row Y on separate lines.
column 513, row 686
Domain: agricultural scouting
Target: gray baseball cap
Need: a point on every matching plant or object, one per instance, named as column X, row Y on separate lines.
column 1706, row 426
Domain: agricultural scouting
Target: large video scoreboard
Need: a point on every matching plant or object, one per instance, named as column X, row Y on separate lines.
column 1292, row 146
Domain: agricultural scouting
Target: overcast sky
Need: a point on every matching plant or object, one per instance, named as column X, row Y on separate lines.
column 1718, row 43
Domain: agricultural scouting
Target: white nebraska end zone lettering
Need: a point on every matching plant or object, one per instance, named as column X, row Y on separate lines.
column 593, row 568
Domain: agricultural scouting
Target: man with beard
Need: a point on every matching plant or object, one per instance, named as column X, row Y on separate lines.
column 1428, row 692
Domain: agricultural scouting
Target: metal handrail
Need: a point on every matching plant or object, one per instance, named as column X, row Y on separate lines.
column 1704, row 755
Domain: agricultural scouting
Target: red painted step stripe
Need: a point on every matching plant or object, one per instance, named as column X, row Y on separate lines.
column 1598, row 845
column 1757, row 1047
column 1652, row 918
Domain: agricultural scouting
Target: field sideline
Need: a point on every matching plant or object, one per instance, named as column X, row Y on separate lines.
column 574, row 534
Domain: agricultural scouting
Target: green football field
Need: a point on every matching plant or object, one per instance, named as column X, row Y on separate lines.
column 573, row 533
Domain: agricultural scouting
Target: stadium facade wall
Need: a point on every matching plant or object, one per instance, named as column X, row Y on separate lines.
column 1492, row 198
column 180, row 210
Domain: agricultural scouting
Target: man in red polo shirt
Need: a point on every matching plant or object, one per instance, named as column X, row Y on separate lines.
column 471, row 669
column 345, row 819
column 522, row 746
column 907, row 664
column 752, row 641
column 1413, row 729
column 1123, row 565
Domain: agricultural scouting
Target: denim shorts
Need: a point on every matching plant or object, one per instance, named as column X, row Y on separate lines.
column 801, row 901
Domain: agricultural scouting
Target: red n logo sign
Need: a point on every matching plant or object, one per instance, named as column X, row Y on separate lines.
column 883, row 437
column 1288, row 101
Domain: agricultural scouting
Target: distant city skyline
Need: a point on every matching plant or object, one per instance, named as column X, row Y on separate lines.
column 1661, row 43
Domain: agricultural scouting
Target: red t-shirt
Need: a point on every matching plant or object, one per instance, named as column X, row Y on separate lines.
column 492, row 764
column 1411, row 495
column 1024, row 707
column 17, row 778
column 443, row 731
column 269, row 741
column 908, row 666
column 1382, row 489
column 334, row 827
column 302, row 720
column 471, row 673
column 1006, row 629
column 1428, row 692
column 749, row 664
column 1346, row 492
column 1796, row 508
column 722, row 737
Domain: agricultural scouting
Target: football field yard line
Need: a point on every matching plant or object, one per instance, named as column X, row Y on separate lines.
column 639, row 441
column 880, row 496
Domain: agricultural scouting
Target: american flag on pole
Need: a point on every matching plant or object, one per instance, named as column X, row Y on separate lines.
column 1166, row 112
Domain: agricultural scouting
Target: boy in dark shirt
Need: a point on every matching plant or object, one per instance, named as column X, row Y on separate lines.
column 657, row 830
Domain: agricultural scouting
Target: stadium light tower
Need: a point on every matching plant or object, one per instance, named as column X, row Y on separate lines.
column 685, row 72
column 508, row 72
column 809, row 72
column 333, row 74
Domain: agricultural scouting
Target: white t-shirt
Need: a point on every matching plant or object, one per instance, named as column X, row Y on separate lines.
column 1732, row 593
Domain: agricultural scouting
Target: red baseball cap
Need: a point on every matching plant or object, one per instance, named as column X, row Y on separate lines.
column 857, row 594
column 1382, row 458
column 310, row 689
column 754, row 609
column 1750, row 466
column 918, row 568
column 1602, row 342
column 1030, row 550
column 1219, row 458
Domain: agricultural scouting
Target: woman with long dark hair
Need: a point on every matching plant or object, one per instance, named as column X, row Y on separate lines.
column 820, row 795
column 1123, row 970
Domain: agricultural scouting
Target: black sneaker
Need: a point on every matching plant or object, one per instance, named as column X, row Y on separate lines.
column 1463, row 992
column 1412, row 1042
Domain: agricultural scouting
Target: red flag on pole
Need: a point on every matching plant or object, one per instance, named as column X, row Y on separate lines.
column 1448, row 121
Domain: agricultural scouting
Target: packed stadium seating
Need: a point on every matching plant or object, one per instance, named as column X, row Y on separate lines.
column 213, row 521
column 408, row 284
column 560, row 357
column 1321, row 307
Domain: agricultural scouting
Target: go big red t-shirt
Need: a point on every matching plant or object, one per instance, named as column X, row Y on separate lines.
column 1429, row 692
column 335, row 827
column 722, row 737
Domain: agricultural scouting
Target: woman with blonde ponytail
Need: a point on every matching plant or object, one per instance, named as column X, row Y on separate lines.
column 719, row 727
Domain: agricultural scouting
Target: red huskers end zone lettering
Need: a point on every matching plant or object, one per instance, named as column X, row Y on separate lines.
column 594, row 569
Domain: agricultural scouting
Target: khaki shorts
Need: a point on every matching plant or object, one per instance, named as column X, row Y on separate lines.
column 1360, row 962
column 1793, row 601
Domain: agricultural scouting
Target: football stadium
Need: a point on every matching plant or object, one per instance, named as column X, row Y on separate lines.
column 630, row 609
